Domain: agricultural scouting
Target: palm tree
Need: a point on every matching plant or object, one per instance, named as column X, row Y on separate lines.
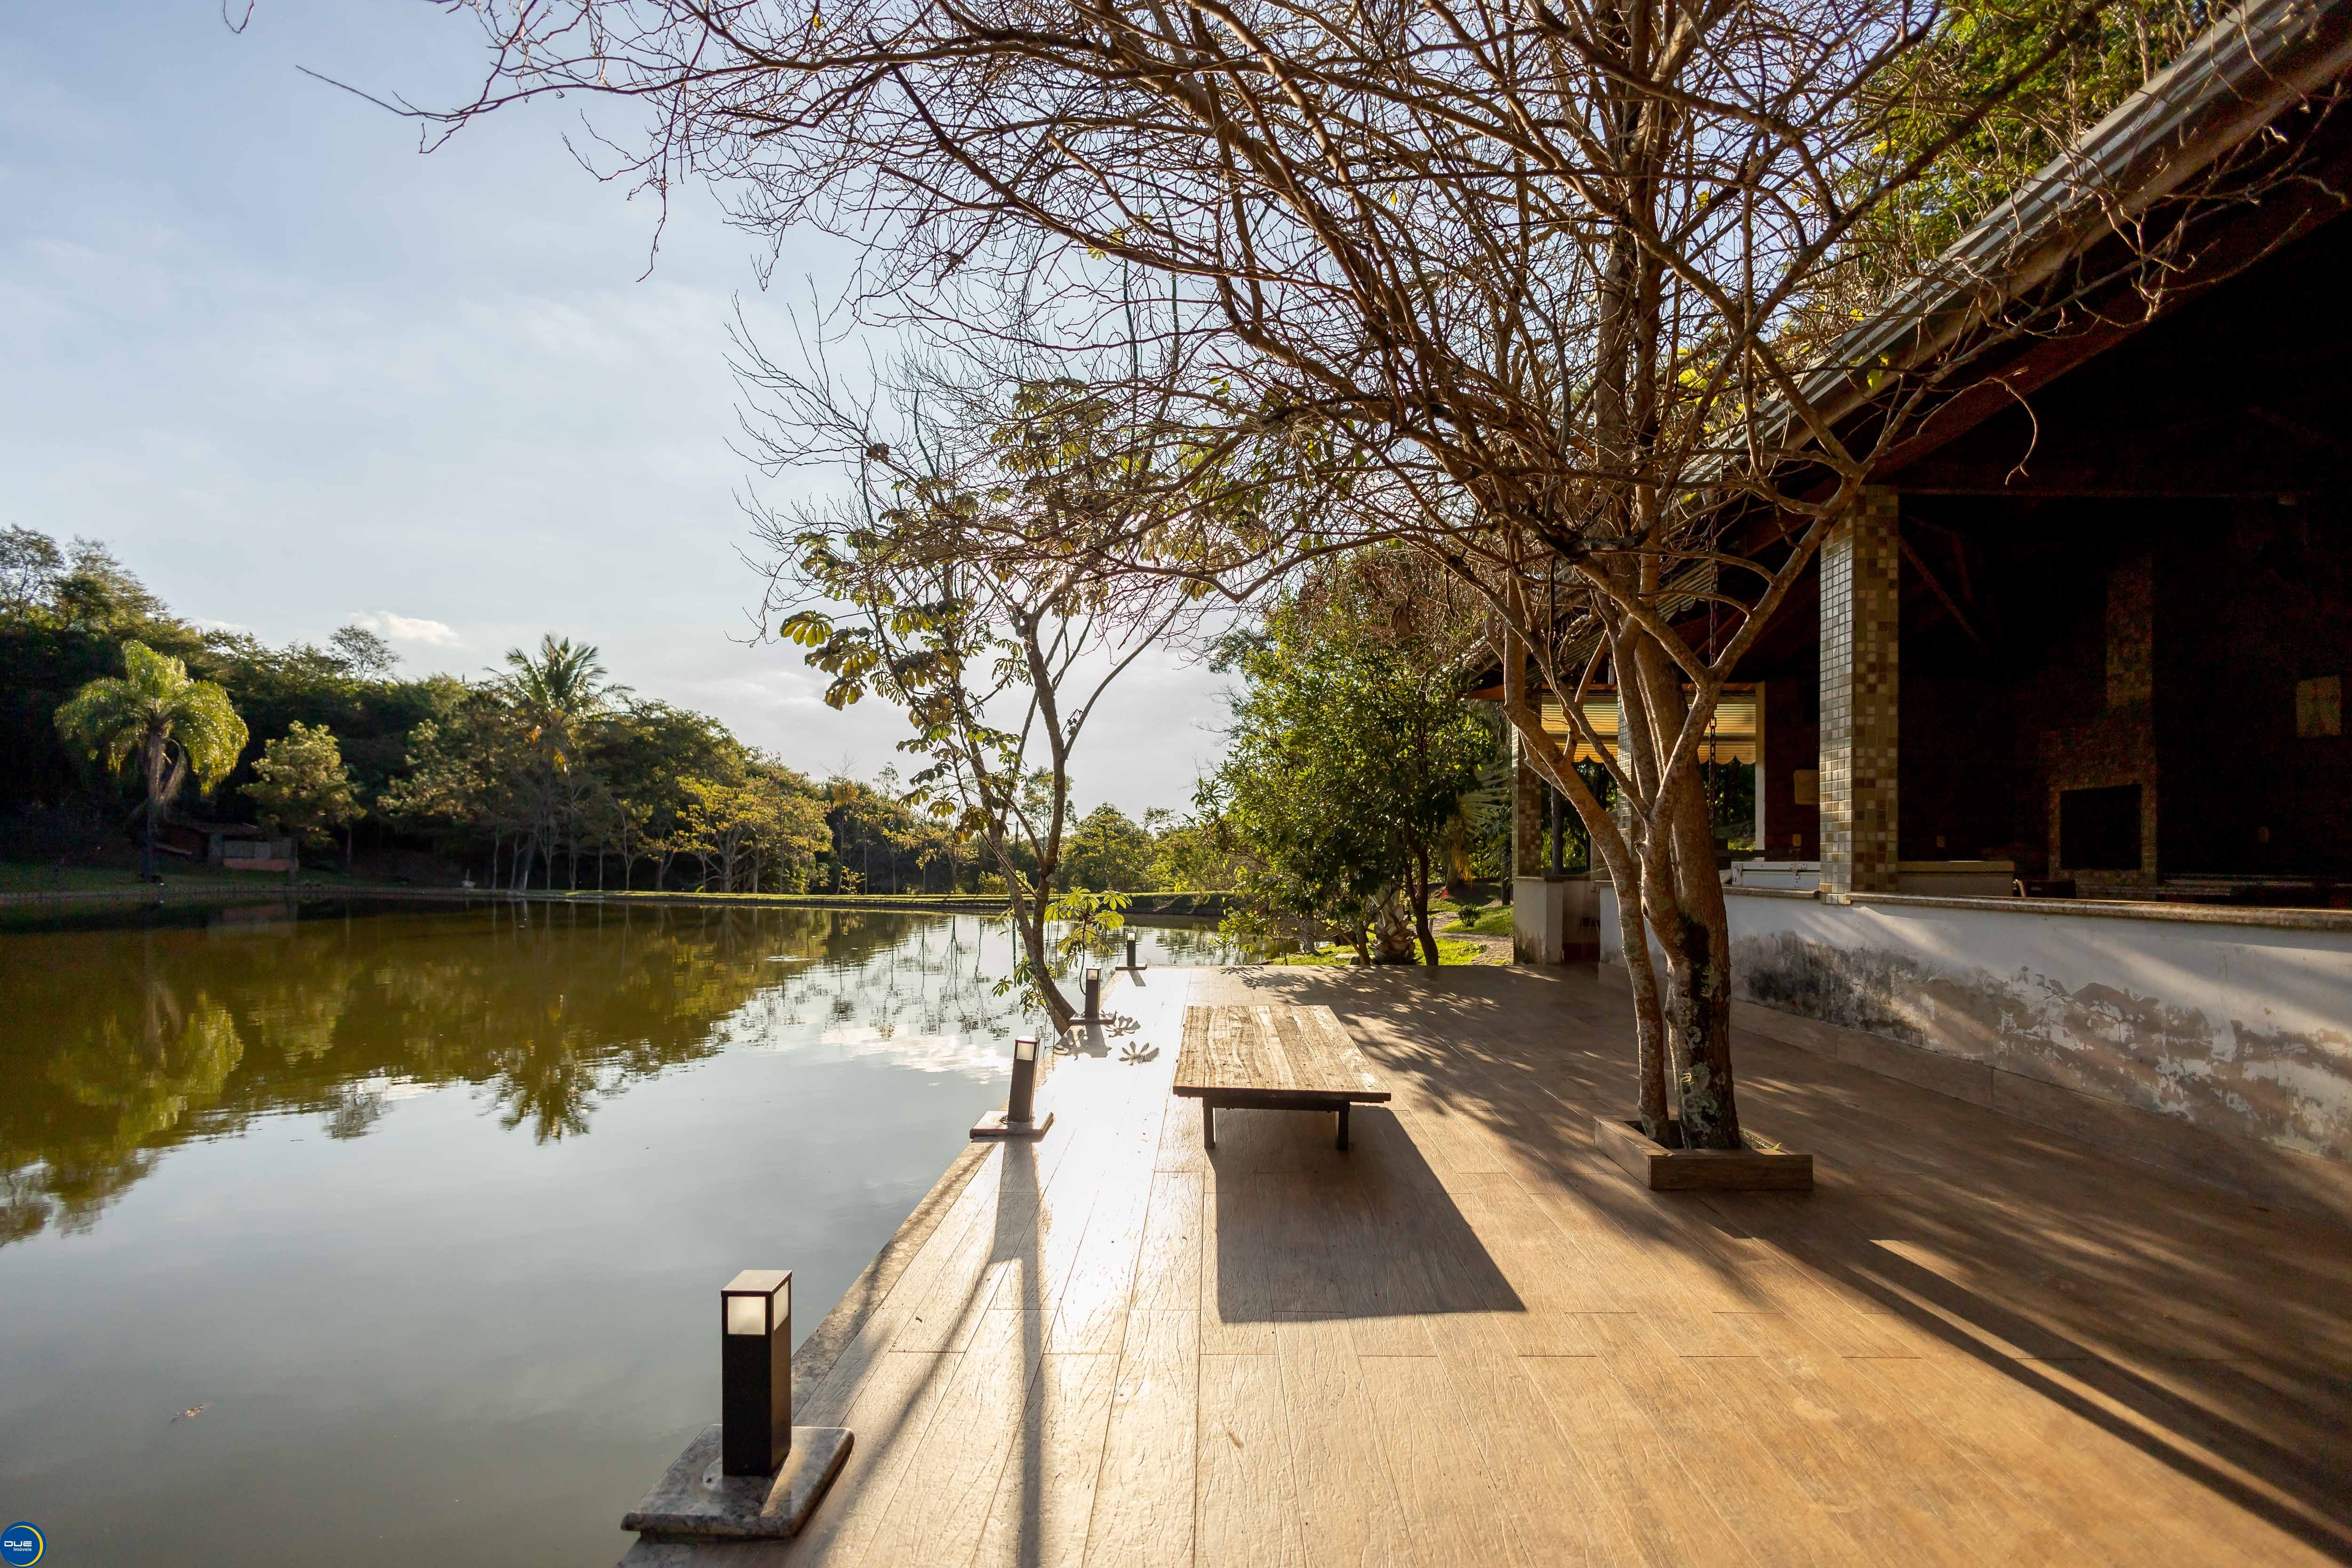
column 555, row 694
column 158, row 719
column 564, row 684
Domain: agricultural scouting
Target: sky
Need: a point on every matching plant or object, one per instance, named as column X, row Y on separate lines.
column 298, row 375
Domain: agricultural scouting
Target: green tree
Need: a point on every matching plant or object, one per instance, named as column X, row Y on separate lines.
column 303, row 789
column 1090, row 921
column 560, row 688
column 1107, row 850
column 1996, row 90
column 737, row 827
column 1352, row 753
column 30, row 566
column 560, row 696
column 156, row 718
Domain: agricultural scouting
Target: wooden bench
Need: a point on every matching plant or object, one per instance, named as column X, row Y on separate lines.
column 1272, row 1058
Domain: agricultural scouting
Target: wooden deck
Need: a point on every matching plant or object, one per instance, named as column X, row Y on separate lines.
column 1473, row 1341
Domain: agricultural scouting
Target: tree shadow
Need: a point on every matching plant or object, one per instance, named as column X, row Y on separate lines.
column 2207, row 1332
column 2273, row 1446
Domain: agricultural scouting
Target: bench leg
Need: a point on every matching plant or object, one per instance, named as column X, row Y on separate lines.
column 1343, row 1127
column 1208, row 1125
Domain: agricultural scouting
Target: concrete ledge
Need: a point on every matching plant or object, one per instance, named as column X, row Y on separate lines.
column 696, row 1502
column 2080, row 908
column 2309, row 1184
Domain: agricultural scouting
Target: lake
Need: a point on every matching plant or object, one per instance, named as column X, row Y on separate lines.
column 351, row 1234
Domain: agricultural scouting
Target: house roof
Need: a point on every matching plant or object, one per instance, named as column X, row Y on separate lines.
column 2236, row 78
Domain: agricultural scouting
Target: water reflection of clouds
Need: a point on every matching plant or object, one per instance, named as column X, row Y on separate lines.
column 982, row 1056
column 134, row 1031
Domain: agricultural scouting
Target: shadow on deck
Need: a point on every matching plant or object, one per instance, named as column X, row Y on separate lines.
column 1470, row 1339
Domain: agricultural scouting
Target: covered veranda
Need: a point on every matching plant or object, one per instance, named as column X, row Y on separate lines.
column 1471, row 1340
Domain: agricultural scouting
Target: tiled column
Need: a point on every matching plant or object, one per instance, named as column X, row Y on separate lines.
column 1527, row 823
column 1761, row 832
column 1861, row 693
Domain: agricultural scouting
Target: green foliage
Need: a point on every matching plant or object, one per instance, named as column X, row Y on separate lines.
column 739, row 828
column 1109, row 849
column 546, row 771
column 1090, row 920
column 1495, row 921
column 302, row 786
column 1351, row 755
column 1192, row 854
column 156, row 720
column 2064, row 66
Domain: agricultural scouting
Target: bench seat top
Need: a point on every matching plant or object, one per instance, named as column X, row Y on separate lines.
column 1273, row 1057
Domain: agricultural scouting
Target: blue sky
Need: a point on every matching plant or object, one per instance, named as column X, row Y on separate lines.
column 298, row 375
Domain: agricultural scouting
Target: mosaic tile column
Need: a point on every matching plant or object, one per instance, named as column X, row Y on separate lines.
column 1528, row 823
column 1861, row 696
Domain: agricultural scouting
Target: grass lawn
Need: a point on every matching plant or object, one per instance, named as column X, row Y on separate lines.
column 1494, row 921
column 18, row 877
column 1343, row 957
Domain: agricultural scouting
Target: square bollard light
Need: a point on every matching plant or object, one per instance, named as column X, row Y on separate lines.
column 1022, row 1104
column 1094, row 993
column 1130, row 952
column 755, row 1372
column 1019, row 1117
column 752, row 1475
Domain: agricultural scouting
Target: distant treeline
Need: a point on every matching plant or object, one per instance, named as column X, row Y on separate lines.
column 542, row 773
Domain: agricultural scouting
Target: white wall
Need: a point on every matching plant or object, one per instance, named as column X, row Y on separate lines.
column 2234, row 1028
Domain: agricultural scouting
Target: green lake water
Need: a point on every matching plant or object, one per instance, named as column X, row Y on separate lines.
column 423, row 1208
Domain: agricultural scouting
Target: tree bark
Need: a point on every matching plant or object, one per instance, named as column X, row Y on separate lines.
column 1683, row 902
column 1420, row 908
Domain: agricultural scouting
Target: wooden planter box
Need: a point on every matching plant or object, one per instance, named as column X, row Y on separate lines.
column 1763, row 1167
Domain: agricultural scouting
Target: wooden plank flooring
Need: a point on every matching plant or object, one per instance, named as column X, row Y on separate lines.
column 1471, row 1340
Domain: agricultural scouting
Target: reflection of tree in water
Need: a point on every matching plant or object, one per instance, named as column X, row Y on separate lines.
column 118, row 1044
column 79, row 1125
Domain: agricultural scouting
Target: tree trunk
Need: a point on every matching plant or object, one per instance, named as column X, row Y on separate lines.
column 1420, row 908
column 1683, row 902
column 1029, row 917
column 1609, row 852
column 154, row 807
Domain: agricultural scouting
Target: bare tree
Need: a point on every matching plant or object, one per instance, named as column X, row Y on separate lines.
column 1563, row 297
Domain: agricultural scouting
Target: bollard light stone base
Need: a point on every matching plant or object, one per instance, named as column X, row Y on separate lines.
column 996, row 1125
column 695, row 1503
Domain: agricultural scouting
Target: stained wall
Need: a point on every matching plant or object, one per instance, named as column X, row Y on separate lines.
column 2238, row 1028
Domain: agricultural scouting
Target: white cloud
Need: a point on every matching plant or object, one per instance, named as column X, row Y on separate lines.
column 205, row 623
column 410, row 628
